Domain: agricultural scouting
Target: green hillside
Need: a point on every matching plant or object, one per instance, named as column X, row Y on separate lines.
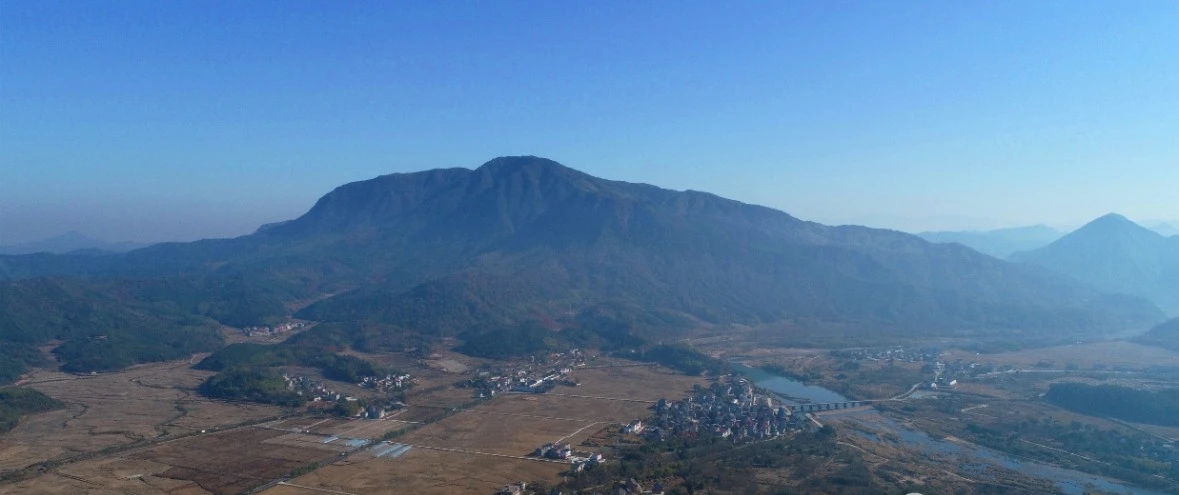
column 99, row 326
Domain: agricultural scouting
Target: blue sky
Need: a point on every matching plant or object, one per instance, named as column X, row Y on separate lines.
column 146, row 120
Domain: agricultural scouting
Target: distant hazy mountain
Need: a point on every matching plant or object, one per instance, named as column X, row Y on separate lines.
column 1165, row 335
column 999, row 243
column 1165, row 229
column 1115, row 254
column 68, row 243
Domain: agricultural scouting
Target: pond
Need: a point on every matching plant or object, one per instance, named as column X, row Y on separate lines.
column 795, row 391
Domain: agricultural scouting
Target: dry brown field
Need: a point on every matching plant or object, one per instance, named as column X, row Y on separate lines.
column 498, row 434
column 1084, row 356
column 156, row 403
column 233, row 461
column 148, row 402
column 226, row 462
column 421, row 472
column 631, row 382
column 485, row 446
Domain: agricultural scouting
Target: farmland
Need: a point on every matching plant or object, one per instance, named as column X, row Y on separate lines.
column 486, row 446
column 146, row 403
column 145, row 431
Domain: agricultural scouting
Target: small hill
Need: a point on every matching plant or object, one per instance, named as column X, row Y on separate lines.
column 1165, row 335
column 1165, row 229
column 999, row 243
column 1116, row 255
column 100, row 326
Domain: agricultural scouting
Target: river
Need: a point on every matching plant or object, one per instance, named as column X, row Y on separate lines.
column 976, row 459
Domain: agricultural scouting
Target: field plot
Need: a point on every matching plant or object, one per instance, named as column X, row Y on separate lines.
column 1124, row 355
column 232, row 461
column 146, row 402
column 567, row 407
column 649, row 383
column 106, row 476
column 481, row 449
column 505, row 435
column 420, row 472
column 226, row 462
column 363, row 428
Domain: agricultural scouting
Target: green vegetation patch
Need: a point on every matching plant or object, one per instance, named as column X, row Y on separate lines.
column 17, row 402
column 102, row 324
column 247, row 371
column 680, row 357
column 255, row 384
column 1140, row 406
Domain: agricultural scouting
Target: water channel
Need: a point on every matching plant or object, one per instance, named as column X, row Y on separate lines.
column 976, row 459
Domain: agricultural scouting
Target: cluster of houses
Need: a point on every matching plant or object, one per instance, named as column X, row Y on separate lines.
column 944, row 373
column 315, row 390
column 274, row 330
column 565, row 453
column 380, row 410
column 633, row 487
column 388, row 383
column 732, row 410
column 530, row 377
column 899, row 353
column 553, row 451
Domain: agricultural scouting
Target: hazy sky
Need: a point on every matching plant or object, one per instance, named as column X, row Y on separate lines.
column 148, row 120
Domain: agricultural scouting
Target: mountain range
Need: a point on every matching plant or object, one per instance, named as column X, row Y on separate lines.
column 1165, row 229
column 70, row 242
column 450, row 251
column 1116, row 255
column 999, row 243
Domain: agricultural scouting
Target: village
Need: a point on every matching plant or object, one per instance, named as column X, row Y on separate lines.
column 899, row 353
column 734, row 410
column 266, row 331
column 388, row 383
column 348, row 405
column 534, row 377
column 945, row 373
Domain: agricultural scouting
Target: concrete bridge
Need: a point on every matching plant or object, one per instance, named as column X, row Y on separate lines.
column 828, row 406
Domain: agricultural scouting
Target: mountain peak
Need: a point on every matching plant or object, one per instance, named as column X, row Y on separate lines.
column 1114, row 226
column 509, row 164
column 531, row 167
column 1112, row 220
column 1115, row 254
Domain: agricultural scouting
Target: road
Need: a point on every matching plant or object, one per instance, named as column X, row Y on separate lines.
column 325, row 490
column 474, row 452
column 594, row 397
column 904, row 395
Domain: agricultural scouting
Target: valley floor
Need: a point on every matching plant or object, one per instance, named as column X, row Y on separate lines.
column 145, row 431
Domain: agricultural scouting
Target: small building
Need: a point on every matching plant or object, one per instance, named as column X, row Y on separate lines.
column 514, row 489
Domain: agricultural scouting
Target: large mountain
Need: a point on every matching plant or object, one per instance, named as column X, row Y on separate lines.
column 999, row 243
column 525, row 237
column 67, row 243
column 1115, row 254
